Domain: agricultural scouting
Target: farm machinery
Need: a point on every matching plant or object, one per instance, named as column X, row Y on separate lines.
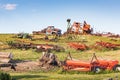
column 38, row 47
column 107, row 45
column 78, row 46
column 46, row 47
column 96, row 65
column 78, row 28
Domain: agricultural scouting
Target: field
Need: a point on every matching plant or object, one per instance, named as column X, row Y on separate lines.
column 54, row 74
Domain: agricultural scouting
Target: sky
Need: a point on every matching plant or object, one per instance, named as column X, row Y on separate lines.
column 34, row 15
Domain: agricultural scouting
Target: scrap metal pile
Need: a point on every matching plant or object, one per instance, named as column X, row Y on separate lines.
column 78, row 28
column 107, row 34
column 48, row 60
column 38, row 47
column 78, row 46
column 107, row 45
column 45, row 47
column 19, row 45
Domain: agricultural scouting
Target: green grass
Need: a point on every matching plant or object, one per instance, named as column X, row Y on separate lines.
column 56, row 76
column 53, row 75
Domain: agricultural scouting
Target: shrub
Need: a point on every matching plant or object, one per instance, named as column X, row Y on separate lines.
column 5, row 76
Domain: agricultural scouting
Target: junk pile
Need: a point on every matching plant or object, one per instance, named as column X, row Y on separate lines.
column 107, row 45
column 48, row 60
column 78, row 46
column 45, row 47
column 38, row 47
column 6, row 59
column 107, row 34
column 19, row 45
column 78, row 28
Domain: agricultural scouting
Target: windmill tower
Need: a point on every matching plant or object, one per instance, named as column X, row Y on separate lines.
column 68, row 25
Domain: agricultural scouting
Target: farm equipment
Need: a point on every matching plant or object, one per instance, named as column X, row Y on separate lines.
column 46, row 47
column 78, row 46
column 86, row 28
column 38, row 47
column 20, row 45
column 77, row 28
column 95, row 65
column 107, row 34
column 107, row 45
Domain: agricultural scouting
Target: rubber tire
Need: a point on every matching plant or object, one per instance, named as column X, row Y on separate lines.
column 116, row 68
column 96, row 69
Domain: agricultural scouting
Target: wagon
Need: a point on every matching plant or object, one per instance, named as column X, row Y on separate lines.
column 95, row 65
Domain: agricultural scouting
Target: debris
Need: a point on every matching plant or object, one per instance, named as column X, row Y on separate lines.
column 76, row 28
column 78, row 46
column 20, row 44
column 107, row 45
column 107, row 34
column 48, row 59
column 45, row 47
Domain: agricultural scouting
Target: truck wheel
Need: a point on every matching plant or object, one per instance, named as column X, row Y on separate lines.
column 96, row 69
column 116, row 68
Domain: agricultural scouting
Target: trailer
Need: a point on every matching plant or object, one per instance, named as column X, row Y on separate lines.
column 95, row 65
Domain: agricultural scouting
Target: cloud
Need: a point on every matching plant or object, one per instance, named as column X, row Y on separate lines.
column 8, row 6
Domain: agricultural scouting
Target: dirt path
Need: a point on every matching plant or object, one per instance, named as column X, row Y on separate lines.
column 24, row 66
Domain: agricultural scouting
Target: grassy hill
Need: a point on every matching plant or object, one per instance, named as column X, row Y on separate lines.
column 82, row 55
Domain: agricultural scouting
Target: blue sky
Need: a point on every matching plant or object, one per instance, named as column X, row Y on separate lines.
column 33, row 15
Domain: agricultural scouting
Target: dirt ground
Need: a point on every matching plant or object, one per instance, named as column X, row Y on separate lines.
column 24, row 66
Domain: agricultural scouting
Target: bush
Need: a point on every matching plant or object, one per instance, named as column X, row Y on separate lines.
column 5, row 76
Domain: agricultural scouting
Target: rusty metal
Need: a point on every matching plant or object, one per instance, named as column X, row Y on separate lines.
column 107, row 45
column 78, row 28
column 96, row 65
column 107, row 34
column 78, row 46
column 46, row 47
